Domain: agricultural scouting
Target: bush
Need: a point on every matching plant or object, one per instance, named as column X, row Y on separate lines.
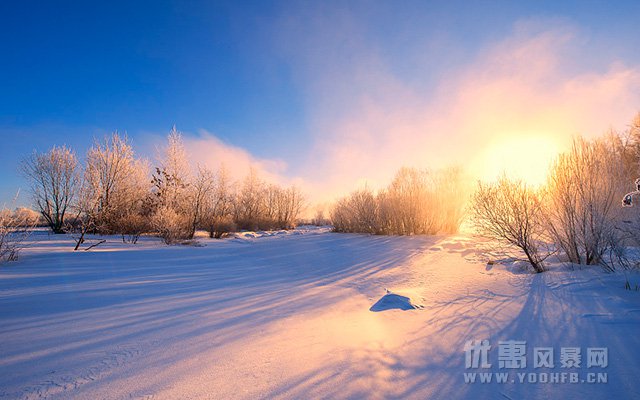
column 132, row 226
column 170, row 226
column 219, row 227
column 358, row 212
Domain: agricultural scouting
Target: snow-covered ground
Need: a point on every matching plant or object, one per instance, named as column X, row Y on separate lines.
column 303, row 314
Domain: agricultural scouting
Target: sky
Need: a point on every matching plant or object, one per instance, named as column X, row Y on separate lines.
column 326, row 95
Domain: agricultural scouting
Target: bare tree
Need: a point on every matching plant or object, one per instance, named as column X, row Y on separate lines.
column 511, row 213
column 54, row 179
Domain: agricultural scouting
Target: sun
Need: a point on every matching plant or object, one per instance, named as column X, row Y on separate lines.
column 526, row 158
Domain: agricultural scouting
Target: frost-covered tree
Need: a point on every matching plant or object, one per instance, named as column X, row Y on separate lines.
column 120, row 184
column 415, row 202
column 27, row 216
column 583, row 195
column 175, row 164
column 218, row 218
column 290, row 204
column 171, row 217
column 282, row 206
column 199, row 192
column 510, row 212
column 266, row 206
column 248, row 205
column 358, row 212
column 54, row 179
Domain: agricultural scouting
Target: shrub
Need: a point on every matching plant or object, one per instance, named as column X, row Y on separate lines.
column 219, row 227
column 170, row 226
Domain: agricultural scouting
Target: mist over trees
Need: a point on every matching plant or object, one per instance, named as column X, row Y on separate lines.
column 577, row 212
column 415, row 202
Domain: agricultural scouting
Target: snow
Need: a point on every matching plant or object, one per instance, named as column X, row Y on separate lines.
column 392, row 301
column 290, row 314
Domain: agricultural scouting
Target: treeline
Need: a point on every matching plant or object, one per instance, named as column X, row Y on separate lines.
column 114, row 192
column 579, row 212
column 415, row 202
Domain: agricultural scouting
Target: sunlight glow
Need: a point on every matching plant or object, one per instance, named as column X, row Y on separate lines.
column 519, row 157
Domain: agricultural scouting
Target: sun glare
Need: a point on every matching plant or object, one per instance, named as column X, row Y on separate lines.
column 527, row 158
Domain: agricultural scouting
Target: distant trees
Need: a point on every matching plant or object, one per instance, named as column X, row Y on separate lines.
column 217, row 218
column 54, row 179
column 15, row 227
column 249, row 200
column 415, row 202
column 199, row 195
column 116, row 193
column 511, row 212
column 185, row 201
column 319, row 219
column 578, row 209
column 262, row 206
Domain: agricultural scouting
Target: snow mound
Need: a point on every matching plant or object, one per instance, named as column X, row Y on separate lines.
column 301, row 230
column 393, row 301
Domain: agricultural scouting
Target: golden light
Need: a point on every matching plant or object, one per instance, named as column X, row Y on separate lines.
column 519, row 157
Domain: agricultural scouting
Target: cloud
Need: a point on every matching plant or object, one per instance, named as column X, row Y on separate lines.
column 207, row 150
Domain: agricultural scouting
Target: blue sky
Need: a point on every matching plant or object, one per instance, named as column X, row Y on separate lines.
column 276, row 79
